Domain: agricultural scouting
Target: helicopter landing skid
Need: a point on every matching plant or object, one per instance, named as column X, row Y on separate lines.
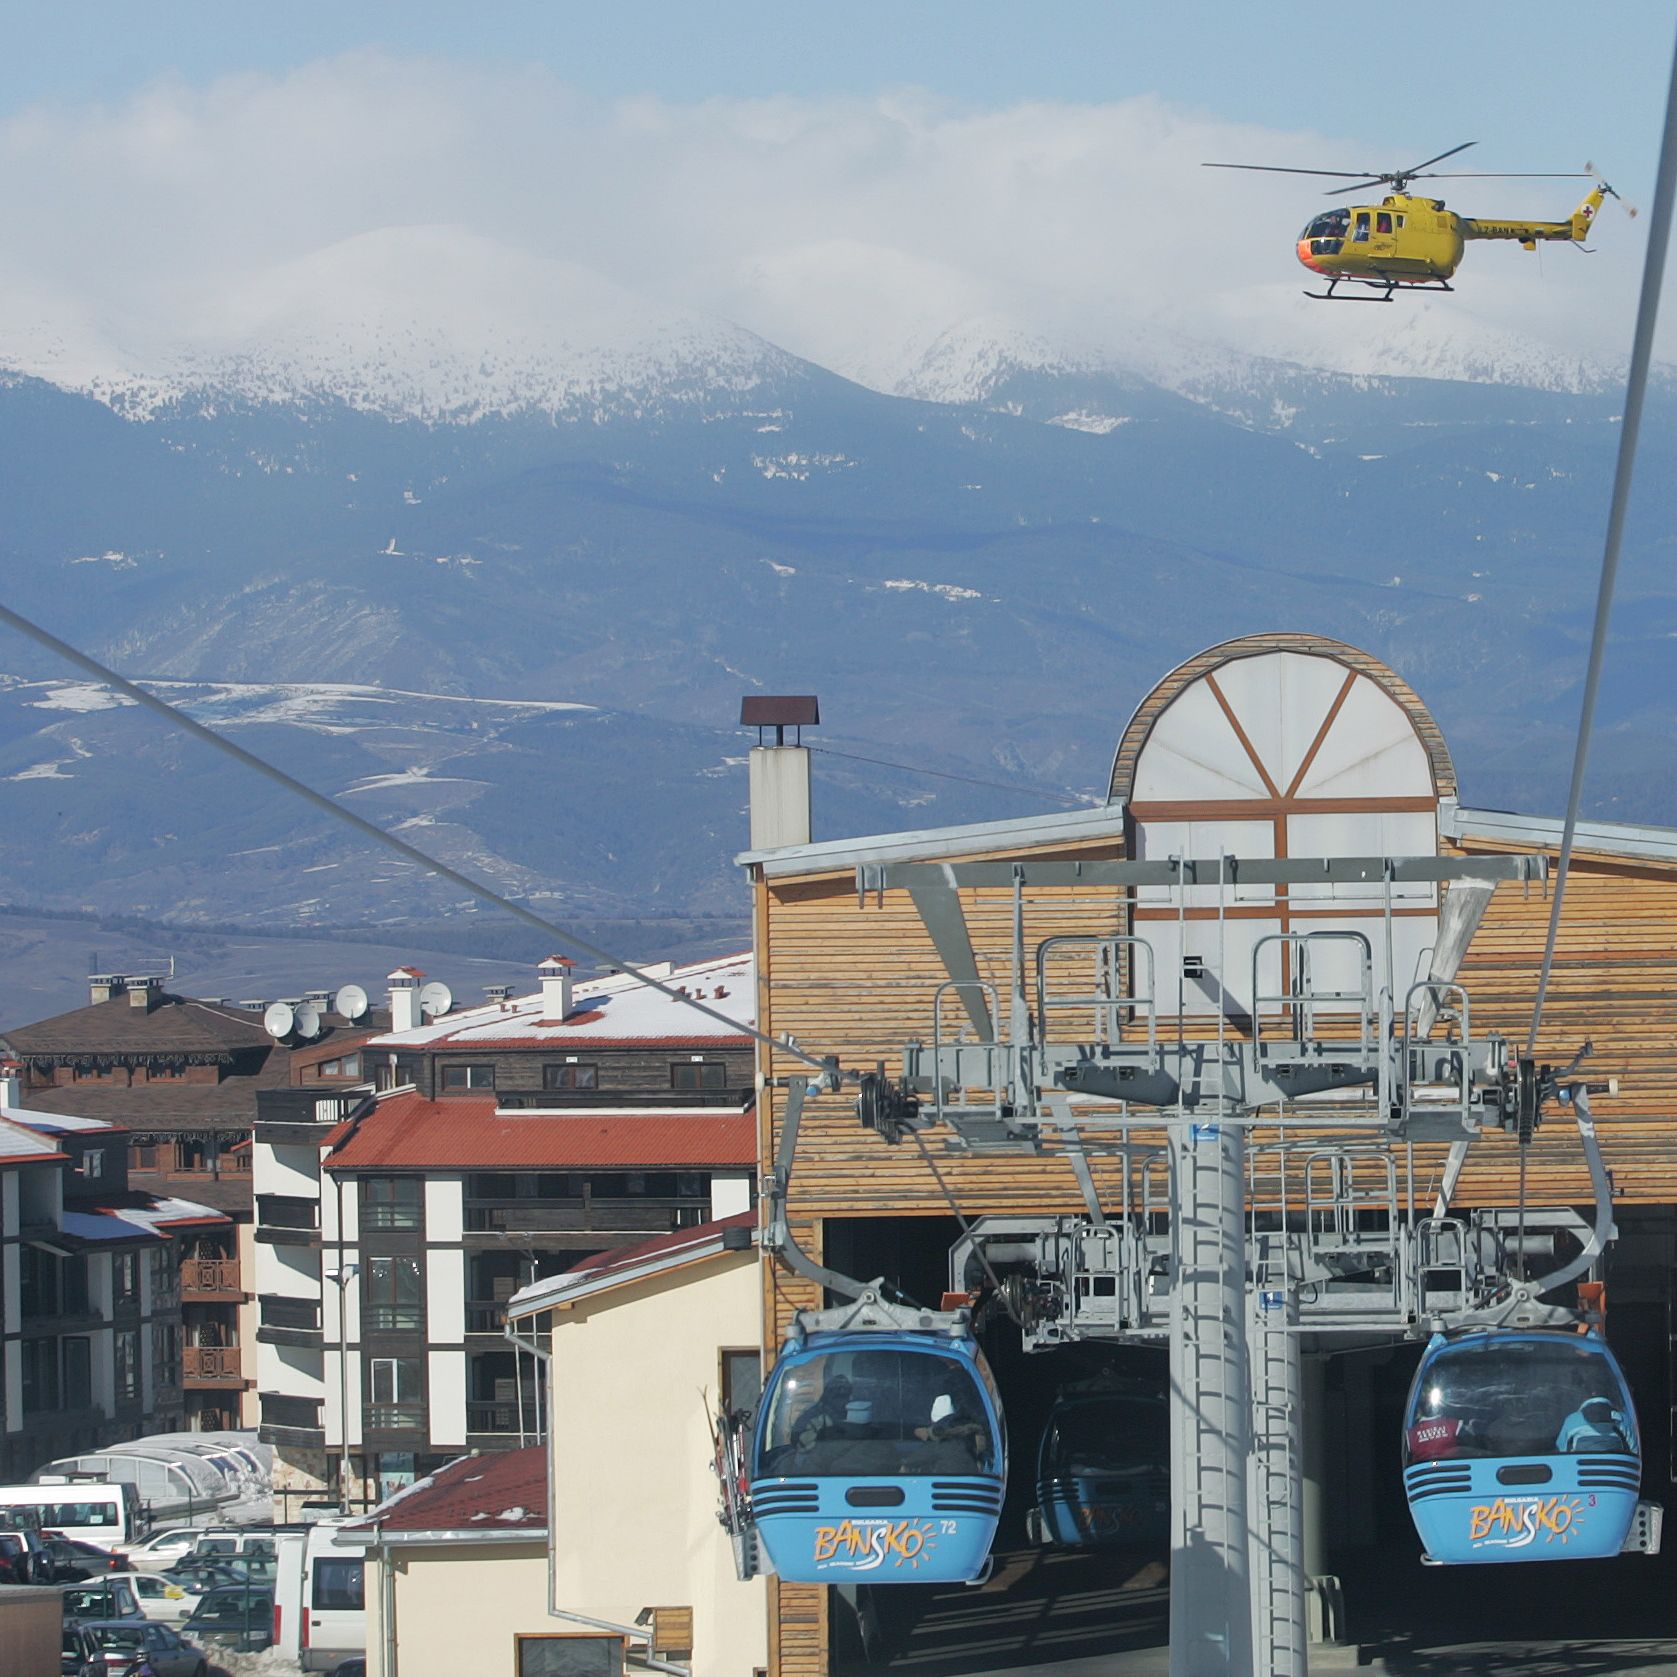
column 1386, row 287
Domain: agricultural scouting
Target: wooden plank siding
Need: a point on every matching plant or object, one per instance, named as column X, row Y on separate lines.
column 858, row 981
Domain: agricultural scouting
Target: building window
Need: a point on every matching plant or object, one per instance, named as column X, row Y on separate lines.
column 145, row 1155
column 393, row 1302
column 127, row 1348
column 570, row 1076
column 72, row 1277
column 698, row 1074
column 38, row 1275
column 392, row 1202
column 459, row 1078
column 125, row 1278
column 348, row 1065
column 91, row 1165
column 165, row 1353
column 40, row 1375
column 193, row 1154
column 742, row 1380
column 566, row 1654
column 78, row 1372
column 397, row 1391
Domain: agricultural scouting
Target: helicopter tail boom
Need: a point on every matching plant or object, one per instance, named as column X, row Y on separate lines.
column 1574, row 230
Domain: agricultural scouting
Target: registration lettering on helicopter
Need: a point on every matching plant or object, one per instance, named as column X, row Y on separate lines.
column 868, row 1545
column 1520, row 1521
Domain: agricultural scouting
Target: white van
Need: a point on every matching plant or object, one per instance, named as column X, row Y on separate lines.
column 320, row 1610
column 87, row 1511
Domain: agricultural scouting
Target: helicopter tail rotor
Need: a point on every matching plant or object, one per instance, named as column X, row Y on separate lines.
column 1596, row 175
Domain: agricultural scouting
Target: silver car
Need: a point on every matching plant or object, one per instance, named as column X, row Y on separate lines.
column 112, row 1645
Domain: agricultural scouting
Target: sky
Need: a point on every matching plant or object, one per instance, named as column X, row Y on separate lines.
column 850, row 184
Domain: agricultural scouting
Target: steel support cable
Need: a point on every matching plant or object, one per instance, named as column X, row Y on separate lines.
column 1642, row 349
column 179, row 719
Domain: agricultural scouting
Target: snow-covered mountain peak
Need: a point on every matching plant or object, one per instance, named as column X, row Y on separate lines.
column 425, row 322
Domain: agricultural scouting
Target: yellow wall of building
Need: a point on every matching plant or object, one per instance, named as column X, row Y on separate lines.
column 634, row 1505
column 458, row 1608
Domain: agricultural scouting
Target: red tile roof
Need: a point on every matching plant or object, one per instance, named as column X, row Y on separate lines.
column 408, row 1132
column 506, row 1491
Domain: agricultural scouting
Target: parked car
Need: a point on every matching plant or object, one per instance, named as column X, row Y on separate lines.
column 111, row 1648
column 356, row 1666
column 196, row 1577
column 164, row 1547
column 23, row 1558
column 234, row 1616
column 160, row 1597
column 72, row 1560
column 229, row 1541
column 100, row 1598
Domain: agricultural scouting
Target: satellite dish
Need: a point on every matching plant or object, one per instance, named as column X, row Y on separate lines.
column 279, row 1019
column 350, row 1002
column 306, row 1016
column 435, row 998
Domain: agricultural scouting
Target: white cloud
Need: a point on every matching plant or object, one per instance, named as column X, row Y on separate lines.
column 367, row 203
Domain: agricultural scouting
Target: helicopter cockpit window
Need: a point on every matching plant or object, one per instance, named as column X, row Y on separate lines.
column 859, row 1413
column 1522, row 1398
column 1361, row 232
column 1335, row 224
column 1383, row 222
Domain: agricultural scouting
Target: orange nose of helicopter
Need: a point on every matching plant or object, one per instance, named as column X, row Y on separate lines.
column 1308, row 258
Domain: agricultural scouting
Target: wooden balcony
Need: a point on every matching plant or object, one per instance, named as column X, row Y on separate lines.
column 211, row 1366
column 211, row 1281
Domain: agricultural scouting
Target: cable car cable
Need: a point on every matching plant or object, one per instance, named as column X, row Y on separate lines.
column 1642, row 349
column 179, row 719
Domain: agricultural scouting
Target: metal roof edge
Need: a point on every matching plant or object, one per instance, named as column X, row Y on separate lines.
column 564, row 1289
column 1614, row 837
column 834, row 854
column 372, row 1537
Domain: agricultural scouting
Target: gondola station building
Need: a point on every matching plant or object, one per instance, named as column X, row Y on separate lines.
column 912, row 956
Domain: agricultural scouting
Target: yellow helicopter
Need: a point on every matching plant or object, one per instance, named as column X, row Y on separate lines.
column 1409, row 241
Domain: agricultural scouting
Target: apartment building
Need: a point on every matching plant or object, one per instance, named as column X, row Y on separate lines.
column 179, row 1076
column 491, row 1147
column 93, row 1348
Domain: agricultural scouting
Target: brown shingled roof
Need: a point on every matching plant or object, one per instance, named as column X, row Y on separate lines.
column 172, row 1025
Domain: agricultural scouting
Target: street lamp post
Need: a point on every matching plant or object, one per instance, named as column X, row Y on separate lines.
column 343, row 1274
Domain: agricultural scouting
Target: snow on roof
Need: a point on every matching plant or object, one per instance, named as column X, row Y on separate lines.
column 161, row 1214
column 98, row 1226
column 53, row 1123
column 506, row 1491
column 604, row 1010
column 20, row 1144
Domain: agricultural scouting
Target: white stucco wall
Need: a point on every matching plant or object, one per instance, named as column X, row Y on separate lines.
column 633, row 1497
column 444, row 1208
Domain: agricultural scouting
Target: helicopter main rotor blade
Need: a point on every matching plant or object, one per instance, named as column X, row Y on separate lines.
column 1411, row 173
column 1282, row 169
column 1358, row 186
column 1504, row 175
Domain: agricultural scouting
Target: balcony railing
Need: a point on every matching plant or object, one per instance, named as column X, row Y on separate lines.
column 211, row 1365
column 290, row 1313
column 485, row 1316
column 210, row 1281
column 319, row 1105
column 395, row 1417
column 500, row 1418
column 298, row 1413
column 558, row 1100
column 649, row 1215
column 285, row 1211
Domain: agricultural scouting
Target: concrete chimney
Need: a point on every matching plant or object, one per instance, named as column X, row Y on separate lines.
column 143, row 992
column 499, row 994
column 101, row 986
column 558, row 987
column 779, row 772
column 404, row 999
column 11, row 1085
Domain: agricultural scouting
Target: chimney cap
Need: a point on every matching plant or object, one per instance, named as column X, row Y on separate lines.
column 780, row 710
column 404, row 976
column 564, row 962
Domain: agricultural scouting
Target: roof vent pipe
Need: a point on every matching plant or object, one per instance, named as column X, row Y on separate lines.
column 558, row 987
column 404, row 999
